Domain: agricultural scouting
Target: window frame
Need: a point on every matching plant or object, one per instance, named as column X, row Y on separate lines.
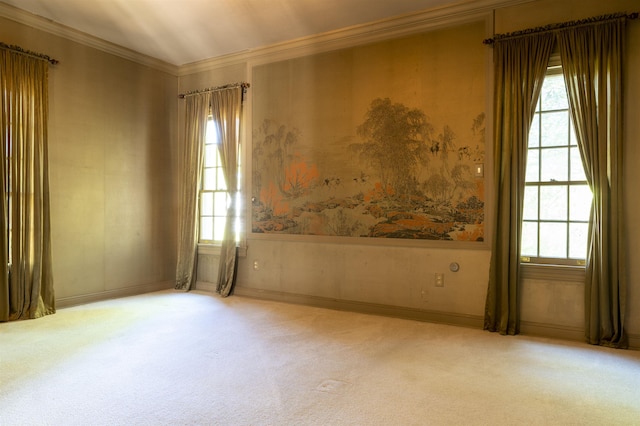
column 213, row 246
column 549, row 267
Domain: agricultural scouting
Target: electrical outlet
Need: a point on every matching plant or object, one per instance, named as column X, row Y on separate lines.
column 256, row 265
column 439, row 279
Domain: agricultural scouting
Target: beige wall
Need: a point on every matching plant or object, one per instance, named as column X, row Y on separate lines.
column 115, row 126
column 399, row 279
column 111, row 138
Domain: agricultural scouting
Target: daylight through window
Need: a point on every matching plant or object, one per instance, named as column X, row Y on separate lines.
column 214, row 197
column 557, row 199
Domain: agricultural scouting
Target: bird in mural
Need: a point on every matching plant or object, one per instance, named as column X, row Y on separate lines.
column 361, row 179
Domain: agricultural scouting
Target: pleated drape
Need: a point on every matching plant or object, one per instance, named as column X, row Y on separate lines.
column 191, row 163
column 226, row 108
column 592, row 58
column 26, row 280
column 520, row 66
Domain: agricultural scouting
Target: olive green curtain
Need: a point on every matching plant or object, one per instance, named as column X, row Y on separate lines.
column 520, row 65
column 226, row 106
column 26, row 281
column 191, row 163
column 592, row 60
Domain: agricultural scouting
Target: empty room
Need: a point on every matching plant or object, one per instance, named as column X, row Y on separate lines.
column 305, row 212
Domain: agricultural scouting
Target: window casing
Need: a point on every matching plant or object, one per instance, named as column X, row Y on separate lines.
column 557, row 198
column 214, row 196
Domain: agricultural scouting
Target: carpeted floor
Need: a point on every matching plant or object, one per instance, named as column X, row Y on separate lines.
column 171, row 358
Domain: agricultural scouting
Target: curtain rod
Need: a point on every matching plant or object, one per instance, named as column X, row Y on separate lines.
column 554, row 27
column 22, row 51
column 215, row 89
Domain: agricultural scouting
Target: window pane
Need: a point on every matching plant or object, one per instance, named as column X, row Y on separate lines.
column 530, row 203
column 218, row 161
column 555, row 165
column 578, row 240
column 553, row 202
column 573, row 140
column 206, row 228
column 553, row 240
column 222, row 183
column 529, row 244
column 209, row 180
column 238, row 199
column 554, row 95
column 533, row 163
column 219, row 228
column 555, row 128
column 577, row 171
column 210, row 155
column 579, row 202
column 220, row 204
column 206, row 204
column 534, row 132
column 238, row 228
column 211, row 135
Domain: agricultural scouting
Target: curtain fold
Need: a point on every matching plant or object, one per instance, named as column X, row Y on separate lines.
column 191, row 163
column 520, row 65
column 26, row 285
column 592, row 65
column 226, row 106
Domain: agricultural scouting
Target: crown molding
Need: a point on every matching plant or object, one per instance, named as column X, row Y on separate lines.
column 52, row 27
column 457, row 13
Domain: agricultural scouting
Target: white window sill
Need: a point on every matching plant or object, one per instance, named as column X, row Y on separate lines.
column 214, row 250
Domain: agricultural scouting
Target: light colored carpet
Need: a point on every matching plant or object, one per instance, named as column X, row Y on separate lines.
column 171, row 358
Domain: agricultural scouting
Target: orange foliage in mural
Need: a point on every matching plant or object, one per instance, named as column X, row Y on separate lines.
column 273, row 199
column 379, row 193
column 477, row 234
column 299, row 177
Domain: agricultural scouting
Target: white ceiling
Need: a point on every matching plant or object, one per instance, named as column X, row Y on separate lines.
column 186, row 31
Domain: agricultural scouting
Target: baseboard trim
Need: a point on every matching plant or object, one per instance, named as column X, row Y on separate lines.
column 65, row 302
column 552, row 331
column 566, row 333
column 634, row 341
column 206, row 286
column 472, row 321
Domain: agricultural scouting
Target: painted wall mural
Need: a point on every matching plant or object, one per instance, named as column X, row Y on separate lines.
column 377, row 141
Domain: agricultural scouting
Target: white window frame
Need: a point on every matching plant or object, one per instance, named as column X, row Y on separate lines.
column 212, row 247
column 570, row 269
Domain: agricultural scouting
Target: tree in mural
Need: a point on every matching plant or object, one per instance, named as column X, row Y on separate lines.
column 273, row 153
column 396, row 144
column 478, row 128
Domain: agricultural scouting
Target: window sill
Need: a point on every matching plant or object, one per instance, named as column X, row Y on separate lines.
column 214, row 250
column 535, row 271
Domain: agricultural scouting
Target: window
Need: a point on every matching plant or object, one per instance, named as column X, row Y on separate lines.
column 557, row 199
column 214, row 197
